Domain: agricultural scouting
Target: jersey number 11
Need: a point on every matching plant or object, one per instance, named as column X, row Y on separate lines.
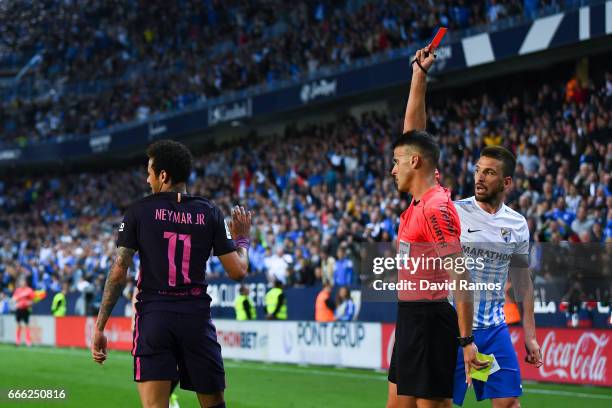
column 186, row 238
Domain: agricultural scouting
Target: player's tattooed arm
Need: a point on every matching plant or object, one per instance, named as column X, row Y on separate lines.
column 115, row 282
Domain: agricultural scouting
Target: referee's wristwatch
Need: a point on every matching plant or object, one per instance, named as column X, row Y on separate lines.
column 466, row 341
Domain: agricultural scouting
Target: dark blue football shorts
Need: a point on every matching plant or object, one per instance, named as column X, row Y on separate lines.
column 178, row 346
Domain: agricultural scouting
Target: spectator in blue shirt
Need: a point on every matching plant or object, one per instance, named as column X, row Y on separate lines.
column 560, row 214
column 345, row 311
column 343, row 272
column 257, row 257
column 530, row 8
column 5, row 306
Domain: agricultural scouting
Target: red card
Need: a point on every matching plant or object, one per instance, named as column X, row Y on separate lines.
column 436, row 41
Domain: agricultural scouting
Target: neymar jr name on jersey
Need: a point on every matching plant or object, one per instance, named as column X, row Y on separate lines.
column 178, row 217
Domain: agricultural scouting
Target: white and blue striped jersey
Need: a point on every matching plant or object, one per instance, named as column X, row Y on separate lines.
column 494, row 238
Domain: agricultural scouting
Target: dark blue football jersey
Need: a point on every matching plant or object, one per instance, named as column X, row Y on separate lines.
column 174, row 235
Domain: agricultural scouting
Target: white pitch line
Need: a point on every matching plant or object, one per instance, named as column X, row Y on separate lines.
column 309, row 371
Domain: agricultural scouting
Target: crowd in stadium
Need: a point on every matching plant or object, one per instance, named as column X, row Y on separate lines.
column 311, row 215
column 113, row 62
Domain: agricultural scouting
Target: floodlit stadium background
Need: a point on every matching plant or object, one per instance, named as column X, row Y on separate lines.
column 290, row 109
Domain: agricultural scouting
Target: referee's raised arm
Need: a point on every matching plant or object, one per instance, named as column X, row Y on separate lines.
column 415, row 117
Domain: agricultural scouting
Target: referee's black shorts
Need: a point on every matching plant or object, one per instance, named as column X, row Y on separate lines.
column 23, row 315
column 425, row 350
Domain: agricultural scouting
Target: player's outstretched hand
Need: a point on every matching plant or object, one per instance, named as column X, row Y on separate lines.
column 98, row 347
column 534, row 354
column 470, row 359
column 240, row 224
column 425, row 58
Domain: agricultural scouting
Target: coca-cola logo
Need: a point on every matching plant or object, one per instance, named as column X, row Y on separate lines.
column 580, row 360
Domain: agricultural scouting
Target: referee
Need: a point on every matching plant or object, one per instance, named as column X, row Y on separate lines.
column 24, row 298
column 428, row 328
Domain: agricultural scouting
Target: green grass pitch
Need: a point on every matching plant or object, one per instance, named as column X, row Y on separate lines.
column 250, row 385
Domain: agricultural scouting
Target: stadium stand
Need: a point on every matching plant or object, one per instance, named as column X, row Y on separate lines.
column 56, row 228
column 124, row 61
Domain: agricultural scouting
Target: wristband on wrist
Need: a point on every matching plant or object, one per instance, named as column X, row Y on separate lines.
column 466, row 341
column 242, row 241
column 420, row 66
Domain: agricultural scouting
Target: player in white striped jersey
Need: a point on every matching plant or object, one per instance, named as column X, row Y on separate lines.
column 497, row 238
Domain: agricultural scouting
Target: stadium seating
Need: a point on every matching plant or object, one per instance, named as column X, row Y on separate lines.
column 56, row 228
column 163, row 56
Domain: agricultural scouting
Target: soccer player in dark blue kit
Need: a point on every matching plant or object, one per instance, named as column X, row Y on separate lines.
column 174, row 234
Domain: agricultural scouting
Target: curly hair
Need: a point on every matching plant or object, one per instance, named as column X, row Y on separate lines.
column 173, row 157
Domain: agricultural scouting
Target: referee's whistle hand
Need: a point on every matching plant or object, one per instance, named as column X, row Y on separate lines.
column 470, row 359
